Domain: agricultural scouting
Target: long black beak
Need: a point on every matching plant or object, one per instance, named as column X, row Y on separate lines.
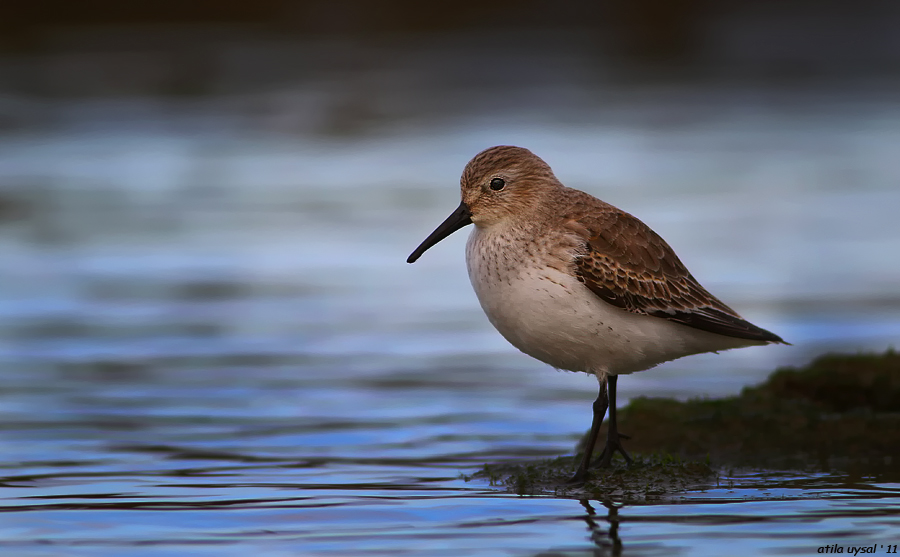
column 457, row 219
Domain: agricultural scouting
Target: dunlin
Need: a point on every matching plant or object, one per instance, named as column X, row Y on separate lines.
column 579, row 284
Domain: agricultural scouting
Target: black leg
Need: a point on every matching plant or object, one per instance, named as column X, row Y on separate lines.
column 600, row 406
column 612, row 437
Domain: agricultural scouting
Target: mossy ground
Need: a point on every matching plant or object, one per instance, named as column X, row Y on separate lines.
column 648, row 478
column 840, row 411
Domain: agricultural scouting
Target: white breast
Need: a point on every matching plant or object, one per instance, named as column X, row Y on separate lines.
column 535, row 301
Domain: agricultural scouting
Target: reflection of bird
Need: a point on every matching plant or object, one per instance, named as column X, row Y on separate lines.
column 579, row 284
column 614, row 544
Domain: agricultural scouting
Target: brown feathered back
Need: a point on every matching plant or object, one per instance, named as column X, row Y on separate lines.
column 630, row 266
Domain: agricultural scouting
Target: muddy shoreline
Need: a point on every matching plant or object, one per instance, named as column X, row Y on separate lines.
column 841, row 412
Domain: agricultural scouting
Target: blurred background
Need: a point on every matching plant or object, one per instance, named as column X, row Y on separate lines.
column 206, row 206
column 183, row 177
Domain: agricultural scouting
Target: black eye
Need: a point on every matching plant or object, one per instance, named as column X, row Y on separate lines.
column 497, row 184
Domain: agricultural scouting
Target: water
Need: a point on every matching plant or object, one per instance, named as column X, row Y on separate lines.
column 210, row 342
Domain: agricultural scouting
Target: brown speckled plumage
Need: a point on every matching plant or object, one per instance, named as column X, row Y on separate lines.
column 618, row 257
column 630, row 266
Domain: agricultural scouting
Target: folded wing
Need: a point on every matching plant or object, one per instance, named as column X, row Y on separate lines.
column 631, row 267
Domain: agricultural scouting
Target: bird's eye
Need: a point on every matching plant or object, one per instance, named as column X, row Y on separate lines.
column 497, row 184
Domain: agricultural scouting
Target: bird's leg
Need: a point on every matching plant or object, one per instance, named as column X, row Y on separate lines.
column 600, row 406
column 612, row 436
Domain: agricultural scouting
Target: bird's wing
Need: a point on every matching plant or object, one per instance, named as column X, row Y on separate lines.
column 631, row 267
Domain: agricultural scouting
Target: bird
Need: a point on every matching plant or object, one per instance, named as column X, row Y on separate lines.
column 580, row 284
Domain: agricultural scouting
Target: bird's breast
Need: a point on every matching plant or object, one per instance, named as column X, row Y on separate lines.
column 532, row 298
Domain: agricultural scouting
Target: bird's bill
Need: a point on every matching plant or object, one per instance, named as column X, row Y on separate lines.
column 457, row 219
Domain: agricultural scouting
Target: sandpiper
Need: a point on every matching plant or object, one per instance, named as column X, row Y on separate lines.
column 579, row 284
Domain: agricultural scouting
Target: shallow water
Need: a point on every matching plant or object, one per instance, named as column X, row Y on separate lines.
column 202, row 319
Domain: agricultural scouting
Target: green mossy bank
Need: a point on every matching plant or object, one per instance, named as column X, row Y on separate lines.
column 839, row 412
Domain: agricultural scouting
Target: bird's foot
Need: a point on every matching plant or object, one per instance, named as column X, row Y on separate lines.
column 613, row 445
column 580, row 477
